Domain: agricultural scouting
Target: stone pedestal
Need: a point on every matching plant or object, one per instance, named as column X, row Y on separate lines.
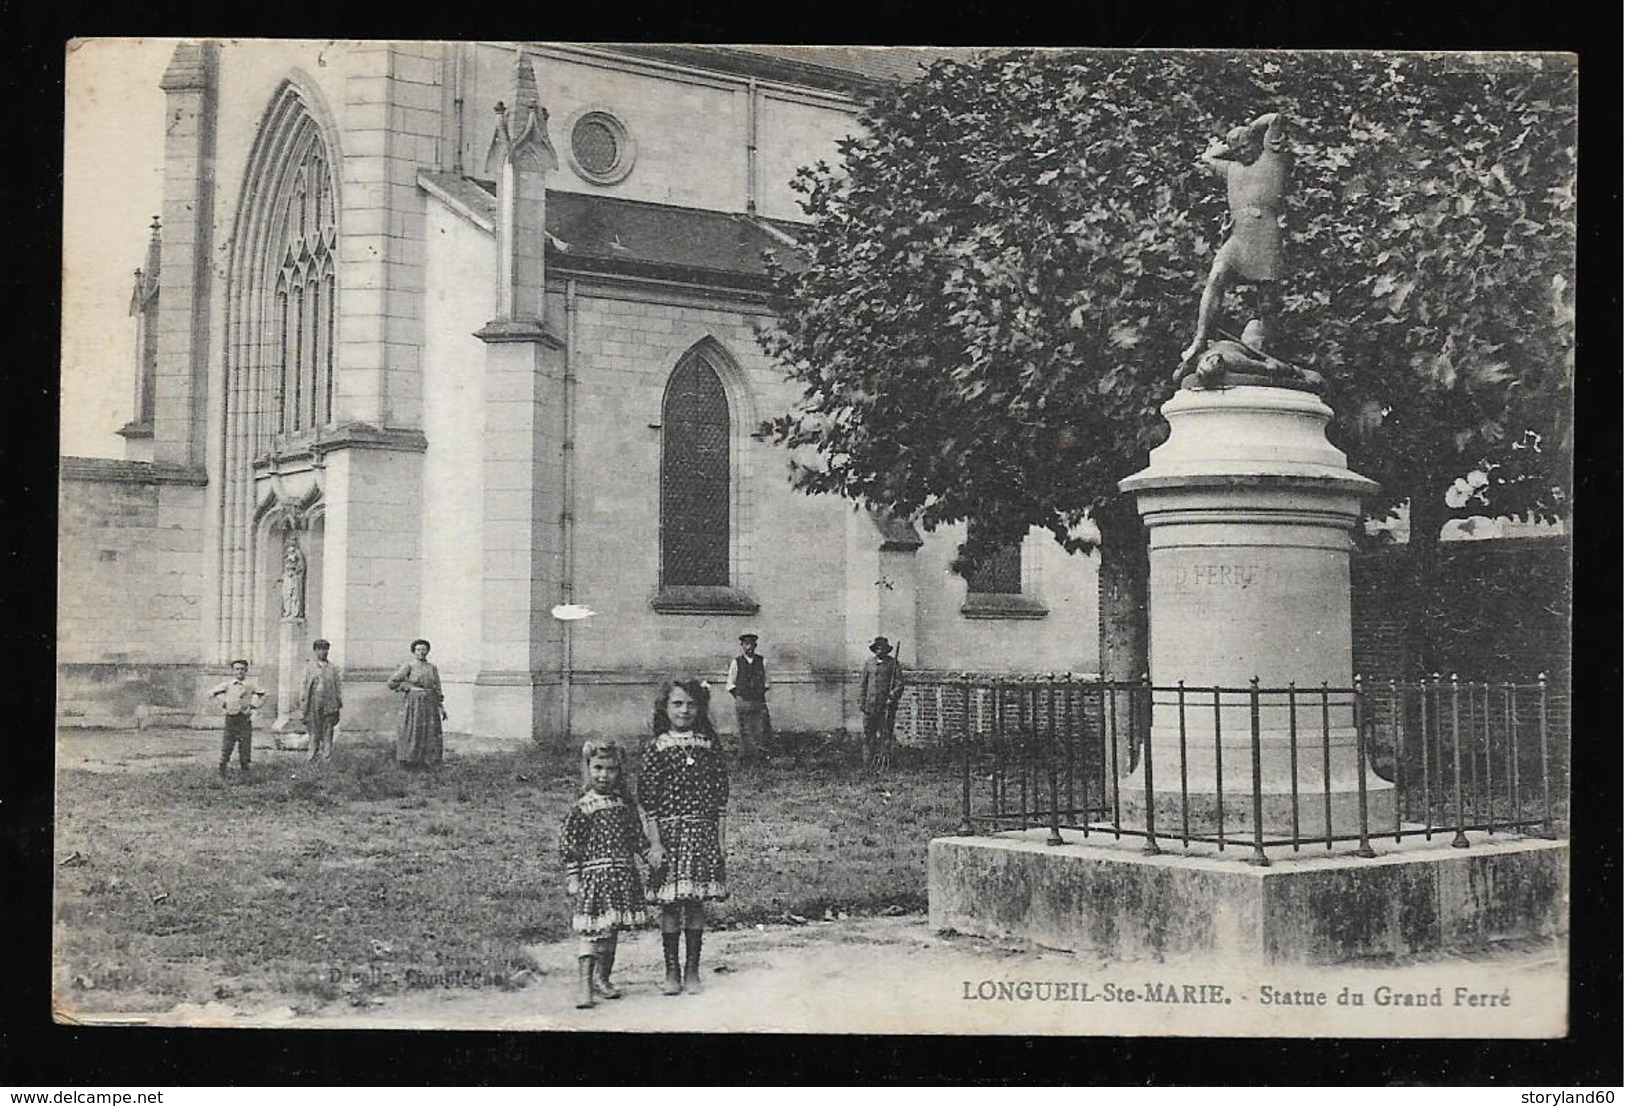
column 289, row 728
column 1250, row 514
column 1106, row 897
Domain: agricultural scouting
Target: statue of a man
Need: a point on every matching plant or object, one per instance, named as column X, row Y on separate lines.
column 1255, row 164
column 1230, row 361
column 293, row 580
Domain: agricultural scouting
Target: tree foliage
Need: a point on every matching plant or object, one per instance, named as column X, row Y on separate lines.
column 1000, row 273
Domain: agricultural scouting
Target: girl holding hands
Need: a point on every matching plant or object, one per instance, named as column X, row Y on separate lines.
column 683, row 789
column 601, row 838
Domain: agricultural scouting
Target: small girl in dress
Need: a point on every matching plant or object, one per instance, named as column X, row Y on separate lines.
column 684, row 789
column 601, row 836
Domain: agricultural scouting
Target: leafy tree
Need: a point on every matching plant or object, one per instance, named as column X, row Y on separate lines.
column 998, row 279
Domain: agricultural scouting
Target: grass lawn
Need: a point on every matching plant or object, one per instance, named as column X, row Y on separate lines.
column 194, row 889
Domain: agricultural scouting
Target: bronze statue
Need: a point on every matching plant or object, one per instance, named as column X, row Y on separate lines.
column 1255, row 164
column 1229, row 362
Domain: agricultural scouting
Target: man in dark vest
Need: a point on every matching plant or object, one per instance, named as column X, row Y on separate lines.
column 878, row 693
column 747, row 683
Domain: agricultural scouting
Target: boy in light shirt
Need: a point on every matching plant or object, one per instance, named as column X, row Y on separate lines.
column 239, row 698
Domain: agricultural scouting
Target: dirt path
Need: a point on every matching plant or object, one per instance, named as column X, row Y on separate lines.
column 138, row 750
column 894, row 975
column 158, row 749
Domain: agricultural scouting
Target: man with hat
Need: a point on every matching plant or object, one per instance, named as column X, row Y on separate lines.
column 878, row 693
column 321, row 701
column 747, row 683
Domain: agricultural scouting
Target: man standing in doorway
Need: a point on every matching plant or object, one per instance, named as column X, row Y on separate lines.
column 878, row 693
column 747, row 683
column 323, row 698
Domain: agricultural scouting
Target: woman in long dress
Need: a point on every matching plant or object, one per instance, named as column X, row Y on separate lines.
column 418, row 741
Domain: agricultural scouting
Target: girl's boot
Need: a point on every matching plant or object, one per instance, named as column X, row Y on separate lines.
column 691, row 965
column 584, row 997
column 673, row 984
column 606, row 964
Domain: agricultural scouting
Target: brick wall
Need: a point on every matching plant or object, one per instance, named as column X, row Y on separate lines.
column 1502, row 609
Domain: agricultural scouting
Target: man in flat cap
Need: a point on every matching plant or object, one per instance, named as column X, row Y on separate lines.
column 748, row 684
column 321, row 701
column 878, row 693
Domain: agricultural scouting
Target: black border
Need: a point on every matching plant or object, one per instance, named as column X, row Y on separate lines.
column 34, row 1051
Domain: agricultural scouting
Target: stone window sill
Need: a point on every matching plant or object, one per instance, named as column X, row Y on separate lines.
column 694, row 599
column 1002, row 606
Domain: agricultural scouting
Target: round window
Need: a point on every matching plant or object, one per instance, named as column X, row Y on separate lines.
column 600, row 149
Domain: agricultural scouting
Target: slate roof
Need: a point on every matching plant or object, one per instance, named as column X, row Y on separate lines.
column 610, row 235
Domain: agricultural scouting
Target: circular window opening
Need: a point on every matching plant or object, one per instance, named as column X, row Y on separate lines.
column 600, row 148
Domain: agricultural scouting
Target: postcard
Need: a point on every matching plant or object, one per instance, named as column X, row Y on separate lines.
column 788, row 539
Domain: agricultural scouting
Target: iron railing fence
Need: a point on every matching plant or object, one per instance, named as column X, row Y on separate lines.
column 1252, row 767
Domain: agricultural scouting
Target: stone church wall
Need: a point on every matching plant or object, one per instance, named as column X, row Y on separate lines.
column 791, row 133
column 1063, row 640
column 691, row 129
column 129, row 596
column 789, row 550
column 457, row 302
column 1503, row 608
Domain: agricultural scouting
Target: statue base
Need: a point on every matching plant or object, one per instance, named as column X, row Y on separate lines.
column 1110, row 899
column 1195, row 383
column 1250, row 514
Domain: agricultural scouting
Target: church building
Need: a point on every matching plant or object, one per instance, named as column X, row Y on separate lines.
column 433, row 339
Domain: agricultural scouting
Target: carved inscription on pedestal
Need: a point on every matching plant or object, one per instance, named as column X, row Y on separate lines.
column 1232, row 576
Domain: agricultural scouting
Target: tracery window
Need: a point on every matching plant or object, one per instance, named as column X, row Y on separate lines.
column 303, row 288
column 601, row 149
column 694, row 484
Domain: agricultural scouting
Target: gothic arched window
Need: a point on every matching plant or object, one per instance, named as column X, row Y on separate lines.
column 302, row 283
column 283, row 331
column 694, row 492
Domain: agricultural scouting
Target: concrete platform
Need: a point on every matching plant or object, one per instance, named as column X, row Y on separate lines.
column 1106, row 897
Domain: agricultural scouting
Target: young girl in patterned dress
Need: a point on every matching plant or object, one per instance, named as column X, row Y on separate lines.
column 601, row 836
column 684, row 789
